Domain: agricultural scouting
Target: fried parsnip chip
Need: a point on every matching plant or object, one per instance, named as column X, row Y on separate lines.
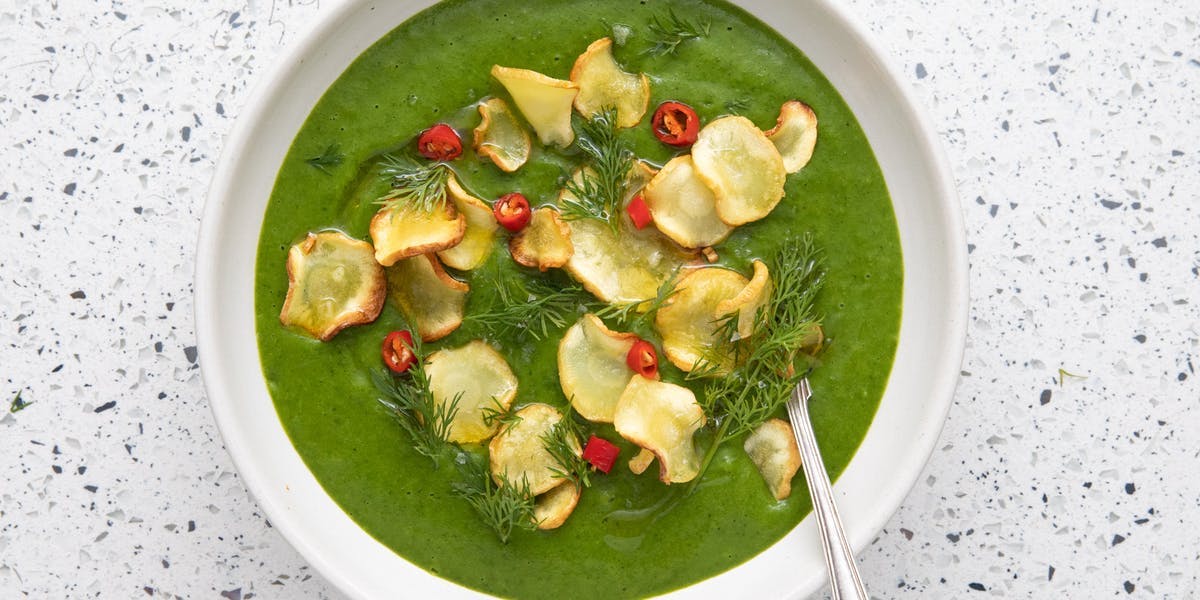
column 772, row 448
column 688, row 322
column 592, row 369
column 551, row 509
column 794, row 134
column 545, row 102
column 430, row 299
column 748, row 301
column 742, row 168
column 476, row 243
column 683, row 207
column 401, row 231
column 544, row 243
column 519, row 453
column 641, row 461
column 480, row 379
column 662, row 417
column 602, row 84
column 333, row 283
column 500, row 137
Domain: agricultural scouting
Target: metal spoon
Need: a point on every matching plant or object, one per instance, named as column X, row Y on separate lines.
column 844, row 581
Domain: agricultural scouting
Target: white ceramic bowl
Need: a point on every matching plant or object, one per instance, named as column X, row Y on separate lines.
column 881, row 473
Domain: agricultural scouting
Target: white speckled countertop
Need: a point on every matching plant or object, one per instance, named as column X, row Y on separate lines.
column 1074, row 132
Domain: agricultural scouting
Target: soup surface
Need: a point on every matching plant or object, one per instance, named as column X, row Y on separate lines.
column 629, row 535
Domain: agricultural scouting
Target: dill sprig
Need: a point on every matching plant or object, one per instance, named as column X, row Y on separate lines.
column 330, row 157
column 17, row 405
column 410, row 400
column 604, row 178
column 527, row 307
column 667, row 34
column 632, row 314
column 562, row 442
column 504, row 506
column 414, row 184
column 498, row 413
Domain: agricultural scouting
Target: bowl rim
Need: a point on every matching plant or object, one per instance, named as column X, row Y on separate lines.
column 271, row 83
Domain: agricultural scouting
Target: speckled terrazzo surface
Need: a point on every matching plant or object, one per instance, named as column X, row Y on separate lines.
column 1074, row 133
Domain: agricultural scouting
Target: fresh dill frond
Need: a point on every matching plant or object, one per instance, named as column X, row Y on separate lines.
column 632, row 314
column 410, row 400
column 562, row 442
column 17, row 405
column 414, row 184
column 504, row 506
column 604, row 177
column 737, row 105
column 525, row 307
column 667, row 34
column 330, row 157
column 499, row 414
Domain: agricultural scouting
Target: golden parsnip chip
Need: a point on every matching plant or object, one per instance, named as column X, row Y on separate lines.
column 481, row 226
column 742, row 168
column 544, row 243
column 500, row 137
column 592, row 369
column 400, row 231
column 688, row 322
column 772, row 448
column 429, row 298
column 602, row 84
column 748, row 301
column 683, row 206
column 545, row 102
column 333, row 283
column 794, row 134
column 519, row 452
column 641, row 461
column 481, row 380
column 551, row 509
column 662, row 417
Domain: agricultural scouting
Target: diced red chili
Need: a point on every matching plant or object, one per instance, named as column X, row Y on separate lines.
column 601, row 453
column 512, row 211
column 675, row 124
column 440, row 142
column 639, row 212
column 643, row 359
column 398, row 352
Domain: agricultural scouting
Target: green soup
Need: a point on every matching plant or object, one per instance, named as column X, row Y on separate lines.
column 621, row 541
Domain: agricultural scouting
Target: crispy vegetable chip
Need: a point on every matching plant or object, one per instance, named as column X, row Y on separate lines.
column 430, row 299
column 683, row 207
column 688, row 322
column 545, row 102
column 748, row 301
column 742, row 168
column 481, row 226
column 400, row 231
column 641, row 461
column 544, row 243
column 500, row 137
column 602, row 84
column 592, row 369
column 519, row 453
column 794, row 134
column 481, row 380
column 772, row 448
column 552, row 508
column 662, row 417
column 333, row 283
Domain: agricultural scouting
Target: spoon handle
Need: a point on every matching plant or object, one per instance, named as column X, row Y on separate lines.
column 844, row 581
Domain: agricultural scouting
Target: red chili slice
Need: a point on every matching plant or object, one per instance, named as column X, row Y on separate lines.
column 398, row 351
column 675, row 124
column 440, row 142
column 643, row 359
column 601, row 453
column 512, row 211
column 639, row 212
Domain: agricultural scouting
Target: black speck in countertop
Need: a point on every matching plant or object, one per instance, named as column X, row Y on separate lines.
column 191, row 526
column 1141, row 338
column 1050, row 573
column 921, row 72
column 954, row 537
column 1130, row 488
column 1110, row 204
column 977, row 587
column 91, row 488
column 1128, row 587
column 105, row 406
column 235, row 594
column 78, row 295
column 190, row 353
column 908, row 535
column 1117, row 539
column 1160, row 242
column 69, row 189
column 1045, row 399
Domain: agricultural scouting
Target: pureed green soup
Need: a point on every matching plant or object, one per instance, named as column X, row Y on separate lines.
column 624, row 539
